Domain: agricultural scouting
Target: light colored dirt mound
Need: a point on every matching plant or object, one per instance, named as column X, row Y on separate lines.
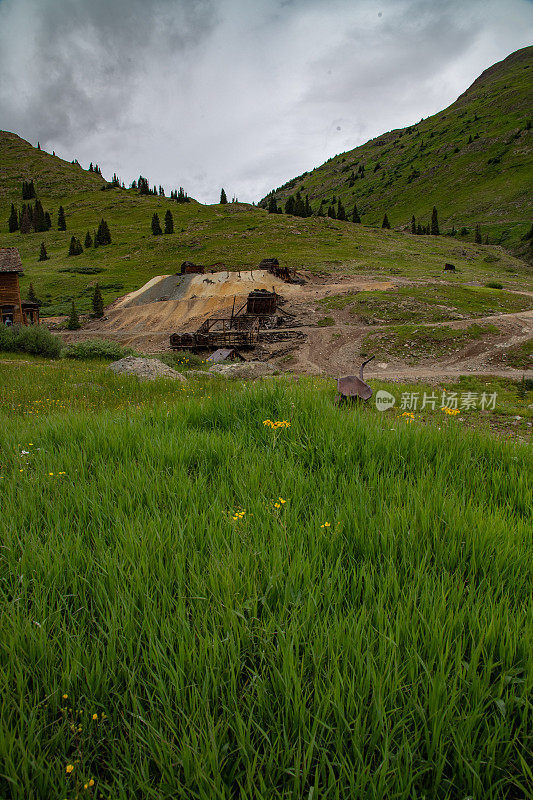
column 175, row 303
column 145, row 368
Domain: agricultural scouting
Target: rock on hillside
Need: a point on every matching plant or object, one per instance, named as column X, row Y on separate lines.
column 145, row 368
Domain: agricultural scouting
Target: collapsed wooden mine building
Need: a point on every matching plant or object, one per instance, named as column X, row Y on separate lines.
column 272, row 266
column 240, row 330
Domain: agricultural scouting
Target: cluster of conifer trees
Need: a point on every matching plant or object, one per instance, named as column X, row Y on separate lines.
column 180, row 196
column 169, row 224
column 29, row 218
column 28, row 190
column 426, row 230
column 298, row 207
column 143, row 187
column 101, row 237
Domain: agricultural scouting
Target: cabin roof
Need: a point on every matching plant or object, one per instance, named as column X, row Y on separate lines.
column 10, row 260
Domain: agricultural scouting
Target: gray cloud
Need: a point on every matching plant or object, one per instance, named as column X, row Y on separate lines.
column 205, row 93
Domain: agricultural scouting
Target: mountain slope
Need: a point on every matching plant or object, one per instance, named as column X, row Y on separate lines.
column 20, row 161
column 238, row 235
column 473, row 161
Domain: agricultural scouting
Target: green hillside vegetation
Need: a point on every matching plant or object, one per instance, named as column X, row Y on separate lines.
column 413, row 343
column 473, row 161
column 238, row 235
column 428, row 303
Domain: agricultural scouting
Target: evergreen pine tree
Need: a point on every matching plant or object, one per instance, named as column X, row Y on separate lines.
column 61, row 221
column 223, row 198
column 91, row 167
column 419, row 230
column 289, row 205
column 25, row 223
column 32, row 297
column 272, row 205
column 75, row 247
column 413, row 224
column 103, row 235
column 331, row 212
column 95, row 240
column 385, row 223
column 73, row 323
column 477, row 237
column 169, row 222
column 299, row 206
column 88, row 240
column 308, row 209
column 143, row 185
column 13, row 221
column 47, row 220
column 43, row 256
column 341, row 213
column 38, row 145
column 434, row 223
column 38, row 220
column 98, row 302
column 355, row 214
column 156, row 227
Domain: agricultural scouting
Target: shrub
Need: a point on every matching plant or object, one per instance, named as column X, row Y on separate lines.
column 494, row 285
column 83, row 270
column 96, row 348
column 34, row 339
column 325, row 322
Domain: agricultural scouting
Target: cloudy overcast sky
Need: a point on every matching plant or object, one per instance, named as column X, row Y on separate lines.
column 243, row 94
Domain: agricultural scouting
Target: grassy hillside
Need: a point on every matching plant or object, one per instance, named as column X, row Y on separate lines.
column 172, row 629
column 473, row 161
column 238, row 235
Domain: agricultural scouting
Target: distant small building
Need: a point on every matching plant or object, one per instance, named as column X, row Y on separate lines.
column 188, row 268
column 13, row 310
column 272, row 266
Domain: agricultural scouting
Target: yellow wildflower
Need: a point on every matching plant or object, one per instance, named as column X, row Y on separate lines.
column 95, row 716
column 69, row 768
column 65, row 697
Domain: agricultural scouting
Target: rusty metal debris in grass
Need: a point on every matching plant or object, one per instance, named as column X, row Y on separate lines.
column 352, row 388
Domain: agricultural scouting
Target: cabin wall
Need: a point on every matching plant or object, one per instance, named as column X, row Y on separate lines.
column 10, row 294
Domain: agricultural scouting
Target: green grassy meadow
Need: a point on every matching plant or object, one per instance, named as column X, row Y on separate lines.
column 172, row 629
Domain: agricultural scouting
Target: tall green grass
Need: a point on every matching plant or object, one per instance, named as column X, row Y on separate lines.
column 387, row 654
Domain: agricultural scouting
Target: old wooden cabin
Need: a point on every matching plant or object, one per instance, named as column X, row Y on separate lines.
column 13, row 310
